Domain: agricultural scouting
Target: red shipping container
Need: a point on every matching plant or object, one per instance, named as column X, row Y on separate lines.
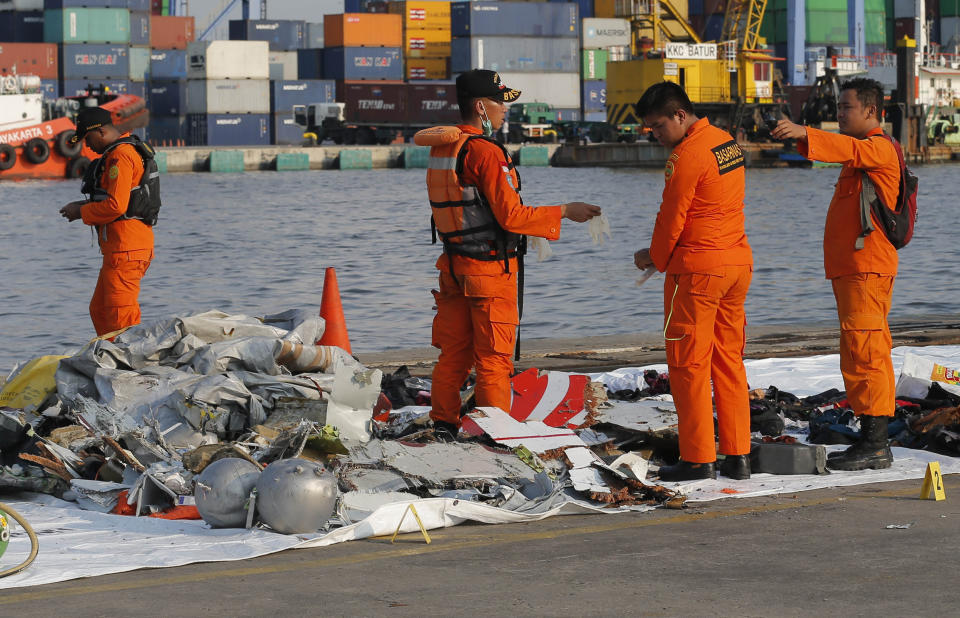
column 171, row 32
column 38, row 59
column 904, row 26
column 373, row 102
column 432, row 104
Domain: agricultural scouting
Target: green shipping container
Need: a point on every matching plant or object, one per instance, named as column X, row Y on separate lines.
column 949, row 8
column 827, row 28
column 830, row 6
column 165, row 7
column 85, row 25
column 875, row 27
column 595, row 63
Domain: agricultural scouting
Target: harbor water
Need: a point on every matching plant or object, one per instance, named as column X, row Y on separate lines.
column 257, row 243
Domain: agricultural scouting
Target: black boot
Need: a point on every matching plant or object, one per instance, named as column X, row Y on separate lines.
column 445, row 432
column 735, row 467
column 686, row 471
column 872, row 451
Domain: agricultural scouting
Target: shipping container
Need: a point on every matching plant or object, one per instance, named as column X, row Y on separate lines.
column 561, row 90
column 607, row 8
column 38, row 59
column 949, row 8
column 94, row 61
column 360, row 63
column 595, row 116
column 594, row 96
column 20, row 5
column 285, row 94
column 166, row 130
column 568, row 115
column 950, row 30
column 140, row 28
column 169, row 32
column 423, row 14
column 22, row 27
column 584, row 8
column 283, row 65
column 50, row 88
column 139, row 63
column 67, row 4
column 366, row 6
column 362, row 30
column 228, row 96
column 167, row 97
column 310, row 64
column 432, row 104
column 426, row 43
column 314, row 35
column 228, row 129
column 905, row 8
column 168, row 64
column 546, row 19
column 284, row 131
column 515, row 54
column 594, row 64
column 604, row 33
column 280, row 34
column 427, row 68
column 371, row 102
column 76, row 87
column 228, row 60
column 83, row 25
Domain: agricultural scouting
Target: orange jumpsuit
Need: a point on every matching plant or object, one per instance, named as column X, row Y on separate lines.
column 699, row 240
column 862, row 279
column 477, row 314
column 126, row 244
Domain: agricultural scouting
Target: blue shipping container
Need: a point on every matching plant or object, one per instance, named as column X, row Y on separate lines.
column 50, row 88
column 359, row 63
column 284, row 132
column 513, row 54
column 310, row 63
column 21, row 27
column 550, row 19
column 285, row 94
column 594, row 95
column 94, row 4
column 584, row 7
column 74, row 87
column 168, row 64
column 228, row 129
column 365, row 6
column 94, row 61
column 140, row 28
column 166, row 129
column 167, row 98
column 281, row 34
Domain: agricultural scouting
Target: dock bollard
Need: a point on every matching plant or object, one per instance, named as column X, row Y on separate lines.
column 534, row 156
column 293, row 162
column 355, row 159
column 226, row 161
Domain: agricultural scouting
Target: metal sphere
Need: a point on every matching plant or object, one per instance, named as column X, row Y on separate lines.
column 222, row 491
column 296, row 496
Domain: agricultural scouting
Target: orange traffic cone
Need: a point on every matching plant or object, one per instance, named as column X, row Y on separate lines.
column 335, row 332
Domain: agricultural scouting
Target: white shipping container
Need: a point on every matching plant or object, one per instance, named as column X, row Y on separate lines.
column 561, row 90
column 283, row 65
column 228, row 60
column 601, row 33
column 228, row 96
column 21, row 5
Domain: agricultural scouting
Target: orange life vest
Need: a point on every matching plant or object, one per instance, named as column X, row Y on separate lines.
column 461, row 213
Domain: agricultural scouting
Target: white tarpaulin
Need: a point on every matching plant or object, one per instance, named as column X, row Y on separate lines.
column 79, row 543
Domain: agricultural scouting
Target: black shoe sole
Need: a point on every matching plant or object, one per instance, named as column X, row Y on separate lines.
column 871, row 463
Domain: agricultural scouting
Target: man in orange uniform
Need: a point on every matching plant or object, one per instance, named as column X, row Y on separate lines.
column 123, row 203
column 862, row 270
column 474, row 193
column 699, row 240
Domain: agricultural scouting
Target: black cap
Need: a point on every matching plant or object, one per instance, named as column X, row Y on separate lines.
column 481, row 83
column 91, row 118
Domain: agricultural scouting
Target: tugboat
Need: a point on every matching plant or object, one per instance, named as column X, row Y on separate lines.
column 35, row 133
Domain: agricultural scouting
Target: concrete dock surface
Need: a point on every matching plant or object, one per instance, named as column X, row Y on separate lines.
column 826, row 552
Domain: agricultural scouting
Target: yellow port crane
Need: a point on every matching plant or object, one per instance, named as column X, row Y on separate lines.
column 730, row 81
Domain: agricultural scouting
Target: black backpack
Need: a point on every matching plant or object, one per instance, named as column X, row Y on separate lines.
column 897, row 223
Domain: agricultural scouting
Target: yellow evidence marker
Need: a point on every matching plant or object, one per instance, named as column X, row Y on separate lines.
column 933, row 483
column 426, row 537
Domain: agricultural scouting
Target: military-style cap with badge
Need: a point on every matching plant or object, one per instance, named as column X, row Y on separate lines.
column 90, row 119
column 481, row 83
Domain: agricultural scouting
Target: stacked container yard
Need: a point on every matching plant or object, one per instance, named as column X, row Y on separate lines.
column 97, row 46
column 599, row 37
column 40, row 59
column 167, row 89
column 363, row 54
column 21, row 21
column 533, row 46
column 228, row 93
column 426, row 38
